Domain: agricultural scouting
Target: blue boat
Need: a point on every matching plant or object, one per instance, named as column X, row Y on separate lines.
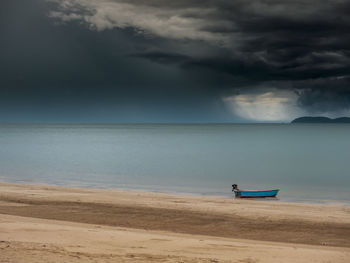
column 254, row 193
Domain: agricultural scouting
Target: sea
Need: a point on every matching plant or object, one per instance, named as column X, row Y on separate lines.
column 308, row 162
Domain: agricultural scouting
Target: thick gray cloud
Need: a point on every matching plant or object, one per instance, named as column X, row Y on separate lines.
column 321, row 94
column 184, row 56
column 262, row 39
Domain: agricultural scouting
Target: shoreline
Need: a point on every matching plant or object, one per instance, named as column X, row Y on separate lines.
column 113, row 225
column 229, row 195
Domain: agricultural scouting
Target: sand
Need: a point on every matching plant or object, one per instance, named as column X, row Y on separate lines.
column 60, row 224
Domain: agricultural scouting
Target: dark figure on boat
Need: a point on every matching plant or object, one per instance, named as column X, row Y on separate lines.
column 234, row 187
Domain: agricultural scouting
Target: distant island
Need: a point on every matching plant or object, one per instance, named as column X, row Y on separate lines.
column 321, row 120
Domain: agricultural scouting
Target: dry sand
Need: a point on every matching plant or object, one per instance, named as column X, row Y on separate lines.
column 59, row 224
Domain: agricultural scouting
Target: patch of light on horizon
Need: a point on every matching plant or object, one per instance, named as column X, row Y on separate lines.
column 270, row 106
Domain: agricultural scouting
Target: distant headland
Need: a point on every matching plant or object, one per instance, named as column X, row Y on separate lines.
column 321, row 120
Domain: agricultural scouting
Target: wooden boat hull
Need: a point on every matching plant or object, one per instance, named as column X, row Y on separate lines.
column 256, row 194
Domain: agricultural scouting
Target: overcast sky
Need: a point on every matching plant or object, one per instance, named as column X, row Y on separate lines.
column 173, row 61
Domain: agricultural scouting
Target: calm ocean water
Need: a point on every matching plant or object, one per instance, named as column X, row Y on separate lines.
column 308, row 162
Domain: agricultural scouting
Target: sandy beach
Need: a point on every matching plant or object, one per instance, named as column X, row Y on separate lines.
column 60, row 224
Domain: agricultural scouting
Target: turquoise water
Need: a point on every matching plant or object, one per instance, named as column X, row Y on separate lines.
column 308, row 162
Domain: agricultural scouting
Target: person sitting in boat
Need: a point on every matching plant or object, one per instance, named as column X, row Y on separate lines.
column 234, row 187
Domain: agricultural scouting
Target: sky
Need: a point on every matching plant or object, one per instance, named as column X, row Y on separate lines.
column 173, row 61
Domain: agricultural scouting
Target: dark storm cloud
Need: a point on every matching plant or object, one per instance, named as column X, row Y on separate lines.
column 163, row 58
column 321, row 95
column 180, row 55
column 264, row 40
column 306, row 43
column 66, row 72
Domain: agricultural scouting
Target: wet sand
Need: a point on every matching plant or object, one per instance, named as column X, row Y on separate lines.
column 60, row 224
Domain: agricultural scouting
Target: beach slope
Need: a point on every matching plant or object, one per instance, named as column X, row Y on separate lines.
column 60, row 224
